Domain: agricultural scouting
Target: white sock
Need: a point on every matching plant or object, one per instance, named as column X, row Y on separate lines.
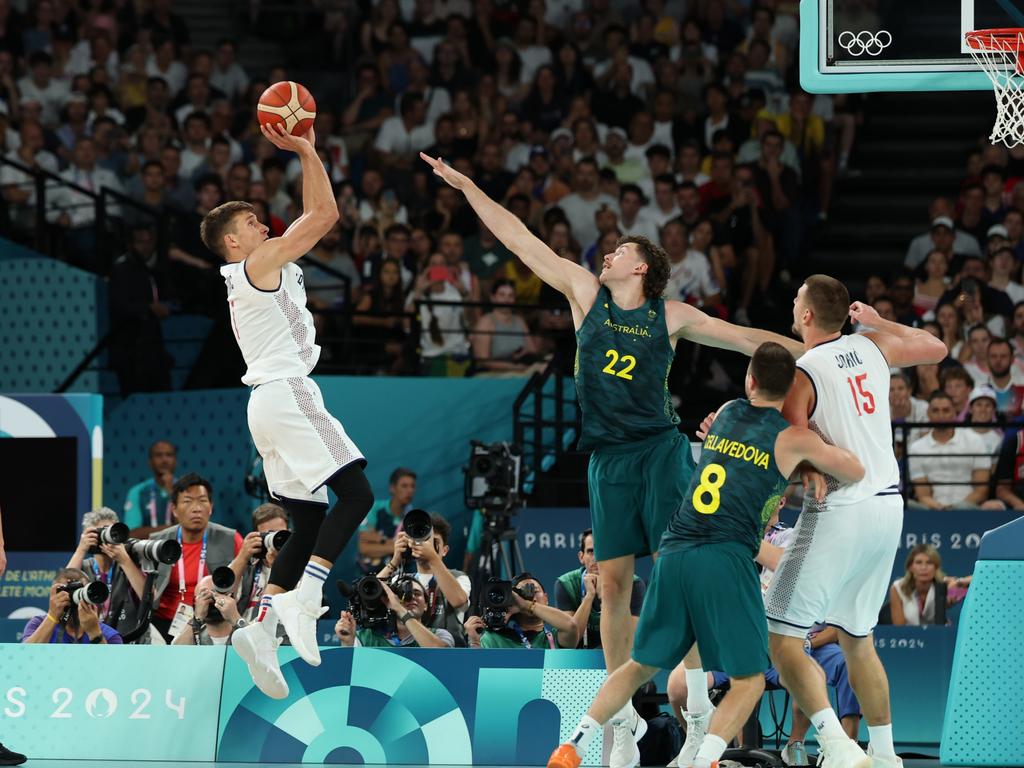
column 710, row 751
column 697, row 701
column 584, row 734
column 880, row 737
column 624, row 715
column 268, row 619
column 311, row 585
column 827, row 724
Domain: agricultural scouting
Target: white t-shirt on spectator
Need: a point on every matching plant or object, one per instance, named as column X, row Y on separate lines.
column 663, row 135
column 949, row 462
column 175, row 74
column 1014, row 290
column 449, row 322
column 691, row 277
column 918, row 415
column 12, row 177
column 517, row 157
column 922, row 245
column 51, row 98
column 643, row 75
column 79, row 207
column 643, row 226
column 190, row 160
column 437, row 99
column 80, row 61
column 993, row 441
column 580, row 215
column 655, row 214
column 533, row 58
column 393, row 137
column 232, row 82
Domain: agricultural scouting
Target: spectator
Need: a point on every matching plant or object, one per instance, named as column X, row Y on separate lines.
column 215, row 620
column 76, row 210
column 380, row 316
column 1005, row 378
column 901, row 291
column 578, row 594
column 941, row 236
column 501, row 339
column 149, row 503
column 1005, row 268
column 951, row 330
column 110, row 564
column 581, row 206
column 922, row 595
column 957, row 383
column 949, row 468
column 19, row 188
column 982, row 406
column 659, row 163
column 628, row 170
column 614, row 99
column 40, row 86
column 633, row 218
column 384, row 520
column 254, row 561
column 401, row 137
column 904, row 407
column 378, row 204
column 409, row 630
column 326, row 290
column 162, row 64
column 66, row 622
column 979, row 302
column 1017, row 339
column 974, row 355
column 446, row 590
column 532, row 623
column 162, row 23
column 138, row 302
column 444, row 347
column 690, row 277
column 204, row 547
column 368, row 111
column 689, row 207
column 933, row 285
column 971, row 219
column 227, row 76
column 993, row 182
column 484, row 253
column 151, row 191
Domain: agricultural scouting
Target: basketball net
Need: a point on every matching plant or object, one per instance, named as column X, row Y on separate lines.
column 998, row 52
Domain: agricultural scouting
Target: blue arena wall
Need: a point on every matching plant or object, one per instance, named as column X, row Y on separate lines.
column 373, row 706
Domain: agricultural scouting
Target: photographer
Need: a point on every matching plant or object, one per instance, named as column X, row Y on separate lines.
column 578, row 593
column 111, row 564
column 215, row 619
column 531, row 624
column 253, row 562
column 66, row 622
column 377, row 532
column 204, row 547
column 447, row 591
column 409, row 630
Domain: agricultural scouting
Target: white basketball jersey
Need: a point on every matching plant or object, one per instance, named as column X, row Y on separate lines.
column 850, row 376
column 273, row 329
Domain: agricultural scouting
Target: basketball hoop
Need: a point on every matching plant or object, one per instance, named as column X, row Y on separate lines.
column 1000, row 53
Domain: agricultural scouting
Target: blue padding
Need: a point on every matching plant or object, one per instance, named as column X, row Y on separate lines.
column 984, row 717
column 1003, row 543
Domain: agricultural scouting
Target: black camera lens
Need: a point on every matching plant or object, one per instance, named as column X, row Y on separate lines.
column 93, row 593
column 223, row 579
column 370, row 590
column 115, row 533
column 418, row 525
column 496, row 596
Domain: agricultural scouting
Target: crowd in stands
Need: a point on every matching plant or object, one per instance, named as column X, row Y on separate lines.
column 590, row 119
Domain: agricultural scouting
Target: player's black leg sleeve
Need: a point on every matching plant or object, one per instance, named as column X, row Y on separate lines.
column 354, row 501
column 307, row 516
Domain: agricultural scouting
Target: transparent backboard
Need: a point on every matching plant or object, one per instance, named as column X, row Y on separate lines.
column 851, row 46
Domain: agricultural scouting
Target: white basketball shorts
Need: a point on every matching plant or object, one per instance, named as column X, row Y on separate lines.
column 302, row 445
column 837, row 568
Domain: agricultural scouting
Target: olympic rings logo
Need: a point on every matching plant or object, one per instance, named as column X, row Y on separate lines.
column 860, row 43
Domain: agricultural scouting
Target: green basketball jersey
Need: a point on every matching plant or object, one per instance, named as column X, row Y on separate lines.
column 736, row 485
column 622, row 361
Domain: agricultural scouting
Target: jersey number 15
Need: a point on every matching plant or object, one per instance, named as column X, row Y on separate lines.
column 863, row 400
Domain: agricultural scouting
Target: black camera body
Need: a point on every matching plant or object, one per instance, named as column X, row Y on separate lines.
column 367, row 602
column 272, row 541
column 493, row 476
column 91, row 593
column 495, row 601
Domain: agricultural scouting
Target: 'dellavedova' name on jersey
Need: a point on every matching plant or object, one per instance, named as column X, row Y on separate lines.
column 737, row 450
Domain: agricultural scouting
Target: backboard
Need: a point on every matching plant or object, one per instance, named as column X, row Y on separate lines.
column 855, row 46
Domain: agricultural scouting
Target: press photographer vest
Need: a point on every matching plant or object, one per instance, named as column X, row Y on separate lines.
column 220, row 550
column 441, row 615
column 124, row 606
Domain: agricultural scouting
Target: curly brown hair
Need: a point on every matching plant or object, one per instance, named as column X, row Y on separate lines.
column 654, row 256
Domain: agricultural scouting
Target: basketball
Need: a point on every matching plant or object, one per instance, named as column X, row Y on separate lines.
column 289, row 103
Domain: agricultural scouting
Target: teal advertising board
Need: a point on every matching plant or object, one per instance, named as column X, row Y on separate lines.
column 110, row 702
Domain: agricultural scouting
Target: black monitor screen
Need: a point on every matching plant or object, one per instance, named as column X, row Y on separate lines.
column 39, row 493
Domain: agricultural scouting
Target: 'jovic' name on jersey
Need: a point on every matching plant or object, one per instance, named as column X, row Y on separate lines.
column 622, row 361
column 274, row 330
column 850, row 377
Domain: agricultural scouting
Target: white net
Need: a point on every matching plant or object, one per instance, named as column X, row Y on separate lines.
column 997, row 53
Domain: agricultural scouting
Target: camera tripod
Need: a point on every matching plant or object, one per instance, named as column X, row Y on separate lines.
column 500, row 555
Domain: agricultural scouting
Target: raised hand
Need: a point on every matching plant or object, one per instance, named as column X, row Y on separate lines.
column 280, row 138
column 452, row 177
column 864, row 314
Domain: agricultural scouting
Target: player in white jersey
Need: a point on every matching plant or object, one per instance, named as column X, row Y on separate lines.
column 837, row 568
column 305, row 449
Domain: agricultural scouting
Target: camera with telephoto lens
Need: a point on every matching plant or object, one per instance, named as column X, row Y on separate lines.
column 495, row 602
column 151, row 553
column 223, row 580
column 493, row 476
column 93, row 593
column 418, row 526
column 115, row 533
column 367, row 602
column 272, row 541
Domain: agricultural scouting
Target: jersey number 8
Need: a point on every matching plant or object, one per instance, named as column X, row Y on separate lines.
column 711, row 481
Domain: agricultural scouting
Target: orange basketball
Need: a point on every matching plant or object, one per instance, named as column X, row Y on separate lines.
column 288, row 103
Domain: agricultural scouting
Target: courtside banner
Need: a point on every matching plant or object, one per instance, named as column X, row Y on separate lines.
column 111, row 702
column 411, row 706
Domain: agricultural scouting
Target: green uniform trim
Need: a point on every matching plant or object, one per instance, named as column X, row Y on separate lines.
column 489, row 639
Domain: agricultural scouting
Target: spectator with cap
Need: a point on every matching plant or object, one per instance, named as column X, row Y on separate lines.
column 982, row 405
column 628, row 170
column 949, row 468
column 942, row 236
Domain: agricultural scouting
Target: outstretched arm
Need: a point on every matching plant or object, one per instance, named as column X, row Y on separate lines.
column 578, row 284
column 902, row 345
column 319, row 211
column 688, row 322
